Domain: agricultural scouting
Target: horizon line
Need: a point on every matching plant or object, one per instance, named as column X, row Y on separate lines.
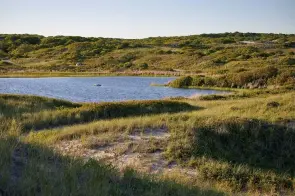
column 160, row 36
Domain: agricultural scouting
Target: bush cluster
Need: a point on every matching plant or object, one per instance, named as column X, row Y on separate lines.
column 257, row 78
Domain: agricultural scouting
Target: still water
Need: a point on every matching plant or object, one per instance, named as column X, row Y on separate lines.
column 84, row 89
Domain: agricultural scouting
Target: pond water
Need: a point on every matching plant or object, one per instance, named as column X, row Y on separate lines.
column 84, row 89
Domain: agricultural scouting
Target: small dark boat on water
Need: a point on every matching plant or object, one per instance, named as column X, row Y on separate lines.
column 97, row 84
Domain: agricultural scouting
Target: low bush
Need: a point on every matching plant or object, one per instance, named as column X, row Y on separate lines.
column 272, row 104
column 284, row 78
column 212, row 97
column 143, row 66
column 193, row 81
column 203, row 81
column 181, row 82
column 257, row 78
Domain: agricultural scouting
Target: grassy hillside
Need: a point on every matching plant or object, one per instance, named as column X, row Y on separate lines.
column 206, row 53
column 240, row 143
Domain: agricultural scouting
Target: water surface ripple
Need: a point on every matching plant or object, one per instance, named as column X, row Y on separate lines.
column 83, row 89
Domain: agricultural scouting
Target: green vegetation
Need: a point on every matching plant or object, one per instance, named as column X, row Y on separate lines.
column 231, row 144
column 34, row 169
column 236, row 143
column 91, row 112
column 258, row 78
column 218, row 54
column 29, row 168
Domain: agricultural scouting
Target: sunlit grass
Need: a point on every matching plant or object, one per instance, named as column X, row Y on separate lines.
column 204, row 138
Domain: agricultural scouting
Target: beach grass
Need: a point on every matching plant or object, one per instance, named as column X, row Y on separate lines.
column 235, row 144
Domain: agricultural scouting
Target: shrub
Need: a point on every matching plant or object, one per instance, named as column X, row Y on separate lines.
column 287, row 61
column 220, row 60
column 127, row 58
column 127, row 65
column 291, row 61
column 181, row 82
column 3, row 54
column 212, row 97
column 272, row 104
column 143, row 66
column 198, row 81
column 193, row 81
column 257, row 77
column 284, row 78
column 210, row 81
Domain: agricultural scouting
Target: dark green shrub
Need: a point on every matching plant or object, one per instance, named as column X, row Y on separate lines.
column 127, row 58
column 291, row 61
column 203, row 81
column 210, row 81
column 127, row 65
column 2, row 53
column 181, row 82
column 286, row 60
column 257, row 77
column 220, row 60
column 143, row 66
column 198, row 81
column 212, row 97
column 241, row 70
column 272, row 104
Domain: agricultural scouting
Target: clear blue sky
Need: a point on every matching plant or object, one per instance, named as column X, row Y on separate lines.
column 145, row 18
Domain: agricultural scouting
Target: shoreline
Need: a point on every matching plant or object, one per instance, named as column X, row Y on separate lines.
column 88, row 74
column 231, row 90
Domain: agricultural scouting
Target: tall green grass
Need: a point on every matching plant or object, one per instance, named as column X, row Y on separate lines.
column 241, row 144
column 88, row 113
column 15, row 105
column 245, row 154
